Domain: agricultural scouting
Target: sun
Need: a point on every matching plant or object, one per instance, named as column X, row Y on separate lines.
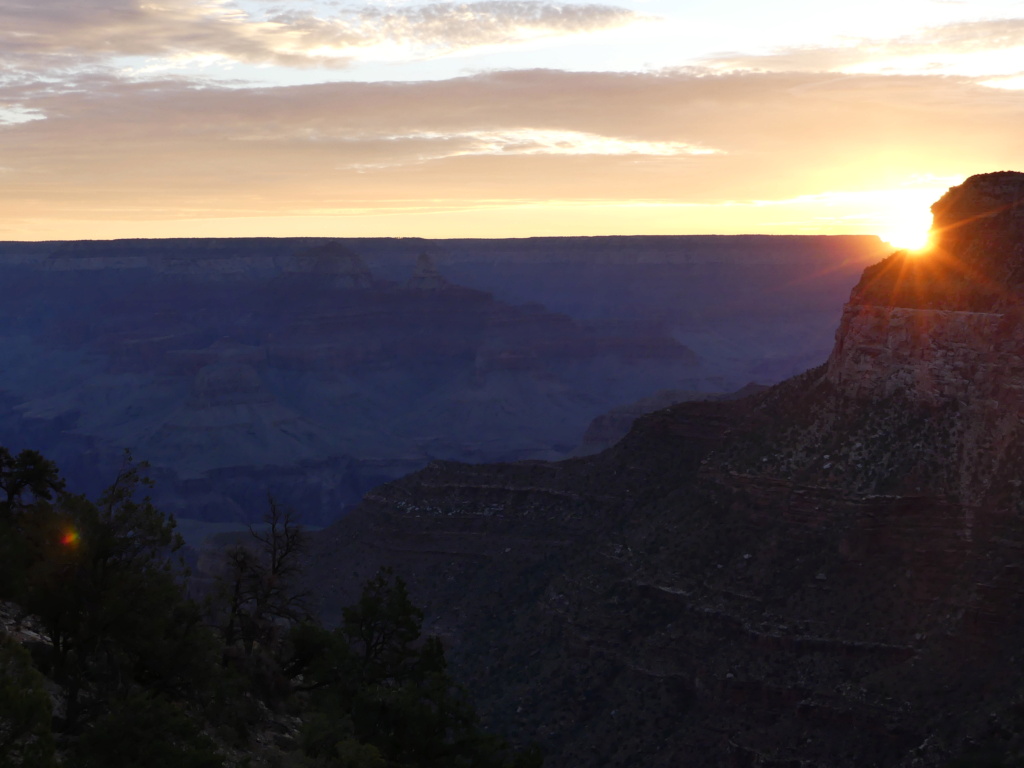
column 908, row 229
column 908, row 239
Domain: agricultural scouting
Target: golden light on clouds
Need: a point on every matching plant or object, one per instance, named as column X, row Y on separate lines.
column 496, row 118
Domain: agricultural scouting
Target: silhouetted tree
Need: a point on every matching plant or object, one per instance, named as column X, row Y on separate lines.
column 260, row 592
column 103, row 581
column 28, row 472
column 276, row 595
column 382, row 627
column 379, row 682
column 137, row 664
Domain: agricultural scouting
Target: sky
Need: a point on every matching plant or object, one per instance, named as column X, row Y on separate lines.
column 499, row 118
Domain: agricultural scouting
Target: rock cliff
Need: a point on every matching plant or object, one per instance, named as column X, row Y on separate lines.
column 943, row 325
column 827, row 573
column 943, row 331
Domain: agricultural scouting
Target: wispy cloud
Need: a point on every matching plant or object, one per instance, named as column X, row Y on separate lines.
column 68, row 33
column 428, row 146
column 447, row 27
column 970, row 36
column 978, row 48
column 11, row 114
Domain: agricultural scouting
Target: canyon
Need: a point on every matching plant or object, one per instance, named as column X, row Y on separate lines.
column 317, row 368
column 823, row 573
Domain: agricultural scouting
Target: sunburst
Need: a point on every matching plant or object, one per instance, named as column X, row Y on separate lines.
column 909, row 230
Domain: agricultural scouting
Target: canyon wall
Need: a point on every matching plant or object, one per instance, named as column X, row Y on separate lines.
column 930, row 356
column 317, row 368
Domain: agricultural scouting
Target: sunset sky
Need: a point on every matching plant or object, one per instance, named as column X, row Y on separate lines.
column 499, row 118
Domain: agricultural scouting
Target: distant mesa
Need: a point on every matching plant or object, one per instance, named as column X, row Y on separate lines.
column 977, row 261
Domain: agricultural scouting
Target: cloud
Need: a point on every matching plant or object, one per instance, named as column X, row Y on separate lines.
column 978, row 48
column 11, row 114
column 73, row 33
column 526, row 141
column 446, row 27
column 969, row 36
column 112, row 149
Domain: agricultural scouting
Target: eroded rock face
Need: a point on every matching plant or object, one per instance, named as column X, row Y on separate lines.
column 931, row 356
column 942, row 332
column 944, row 325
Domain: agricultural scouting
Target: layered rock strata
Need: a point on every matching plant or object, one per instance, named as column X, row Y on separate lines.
column 943, row 325
column 260, row 363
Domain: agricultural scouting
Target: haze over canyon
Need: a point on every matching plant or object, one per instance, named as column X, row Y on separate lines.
column 318, row 368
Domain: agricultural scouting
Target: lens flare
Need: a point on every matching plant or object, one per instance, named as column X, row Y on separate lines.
column 70, row 538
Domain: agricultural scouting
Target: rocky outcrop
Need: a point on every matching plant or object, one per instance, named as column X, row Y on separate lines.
column 942, row 332
column 980, row 228
column 976, row 262
column 945, row 325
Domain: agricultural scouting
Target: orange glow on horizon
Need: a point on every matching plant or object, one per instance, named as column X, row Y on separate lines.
column 868, row 212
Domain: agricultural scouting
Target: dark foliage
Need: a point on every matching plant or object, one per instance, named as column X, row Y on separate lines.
column 144, row 729
column 376, row 681
column 25, row 735
column 148, row 677
column 27, row 472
